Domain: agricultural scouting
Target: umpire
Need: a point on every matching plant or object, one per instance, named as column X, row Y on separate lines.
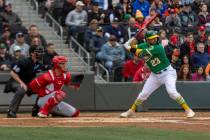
column 22, row 73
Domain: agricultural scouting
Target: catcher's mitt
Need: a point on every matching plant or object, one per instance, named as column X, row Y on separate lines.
column 77, row 79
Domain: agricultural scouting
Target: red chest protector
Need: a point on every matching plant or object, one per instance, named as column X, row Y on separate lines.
column 48, row 82
column 56, row 82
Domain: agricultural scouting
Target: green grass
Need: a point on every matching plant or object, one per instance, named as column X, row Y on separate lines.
column 106, row 133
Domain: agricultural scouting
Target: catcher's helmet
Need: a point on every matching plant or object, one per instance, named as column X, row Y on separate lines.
column 59, row 60
column 151, row 34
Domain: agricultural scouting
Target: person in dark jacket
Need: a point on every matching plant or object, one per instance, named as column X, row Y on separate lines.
column 22, row 73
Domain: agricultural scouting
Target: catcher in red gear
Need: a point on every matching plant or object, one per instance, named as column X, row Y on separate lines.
column 48, row 87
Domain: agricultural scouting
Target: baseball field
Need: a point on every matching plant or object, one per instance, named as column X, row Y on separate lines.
column 108, row 126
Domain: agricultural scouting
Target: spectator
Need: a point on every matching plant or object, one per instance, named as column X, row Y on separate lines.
column 68, row 6
column 131, row 29
column 188, row 47
column 142, row 74
column 207, row 48
column 17, row 54
column 139, row 19
column 189, row 19
column 112, row 53
column 204, row 17
column 35, row 41
column 187, row 61
column 55, row 7
column 200, row 58
column 34, row 32
column 128, row 13
column 199, row 74
column 76, row 20
column 130, row 67
column 97, row 41
column 124, row 4
column 5, row 58
column 155, row 24
column 159, row 6
column 196, row 6
column 20, row 41
column 184, row 73
column 207, row 71
column 88, row 5
column 142, row 5
column 12, row 20
column 6, row 37
column 116, row 30
column 1, row 18
column 201, row 36
column 90, row 32
column 163, row 39
column 48, row 56
column 118, row 12
column 173, row 44
column 2, row 6
column 173, row 22
column 175, row 61
column 96, row 13
column 10, row 17
column 103, row 4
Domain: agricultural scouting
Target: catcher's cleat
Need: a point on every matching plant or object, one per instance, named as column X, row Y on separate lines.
column 128, row 114
column 42, row 114
column 190, row 113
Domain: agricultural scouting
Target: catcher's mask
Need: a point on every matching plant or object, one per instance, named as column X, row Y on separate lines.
column 59, row 62
column 38, row 51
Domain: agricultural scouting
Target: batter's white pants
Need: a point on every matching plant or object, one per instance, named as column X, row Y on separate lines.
column 154, row 81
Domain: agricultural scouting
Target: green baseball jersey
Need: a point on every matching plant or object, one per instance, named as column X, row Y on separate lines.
column 155, row 55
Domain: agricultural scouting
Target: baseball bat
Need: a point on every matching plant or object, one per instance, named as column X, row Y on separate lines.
column 145, row 24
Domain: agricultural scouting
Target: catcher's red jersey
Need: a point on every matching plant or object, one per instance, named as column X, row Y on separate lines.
column 49, row 82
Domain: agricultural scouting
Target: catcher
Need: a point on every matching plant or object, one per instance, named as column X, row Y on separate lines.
column 48, row 87
column 161, row 73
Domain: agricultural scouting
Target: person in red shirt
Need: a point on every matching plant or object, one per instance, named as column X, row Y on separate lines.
column 142, row 74
column 130, row 67
column 48, row 87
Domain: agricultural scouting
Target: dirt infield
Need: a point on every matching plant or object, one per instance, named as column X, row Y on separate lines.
column 165, row 120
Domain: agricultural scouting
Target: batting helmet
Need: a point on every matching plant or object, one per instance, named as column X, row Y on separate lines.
column 151, row 34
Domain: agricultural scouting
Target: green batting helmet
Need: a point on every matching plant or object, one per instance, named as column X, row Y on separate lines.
column 151, row 34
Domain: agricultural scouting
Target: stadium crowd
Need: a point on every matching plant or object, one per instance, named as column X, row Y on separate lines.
column 16, row 40
column 103, row 26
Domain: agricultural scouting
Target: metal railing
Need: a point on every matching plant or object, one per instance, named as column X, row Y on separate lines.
column 100, row 69
column 35, row 5
column 57, row 28
column 82, row 52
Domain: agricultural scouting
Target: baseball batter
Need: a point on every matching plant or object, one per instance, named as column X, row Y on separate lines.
column 161, row 73
column 48, row 87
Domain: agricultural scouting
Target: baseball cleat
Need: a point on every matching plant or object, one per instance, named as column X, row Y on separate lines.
column 42, row 115
column 190, row 113
column 128, row 114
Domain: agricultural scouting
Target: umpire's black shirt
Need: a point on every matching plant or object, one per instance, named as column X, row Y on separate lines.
column 26, row 69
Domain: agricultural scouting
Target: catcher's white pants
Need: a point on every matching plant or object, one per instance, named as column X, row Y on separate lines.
column 62, row 108
column 167, row 77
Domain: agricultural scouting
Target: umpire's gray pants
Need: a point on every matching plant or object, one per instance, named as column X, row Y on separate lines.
column 17, row 98
column 61, row 109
